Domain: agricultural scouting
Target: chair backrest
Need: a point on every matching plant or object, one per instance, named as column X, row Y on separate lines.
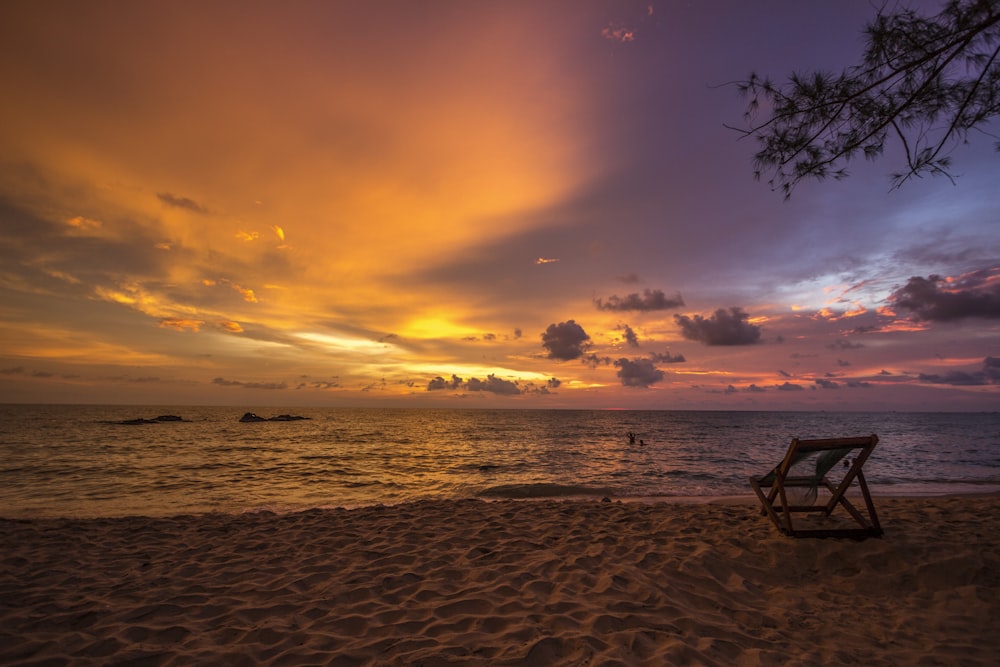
column 831, row 451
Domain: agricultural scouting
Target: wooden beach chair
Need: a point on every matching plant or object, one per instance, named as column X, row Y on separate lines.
column 798, row 471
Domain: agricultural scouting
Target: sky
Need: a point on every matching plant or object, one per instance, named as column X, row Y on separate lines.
column 466, row 204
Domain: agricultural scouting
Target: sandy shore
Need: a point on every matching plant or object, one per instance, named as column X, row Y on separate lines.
column 504, row 583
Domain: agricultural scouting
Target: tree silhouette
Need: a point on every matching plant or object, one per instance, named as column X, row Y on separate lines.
column 924, row 81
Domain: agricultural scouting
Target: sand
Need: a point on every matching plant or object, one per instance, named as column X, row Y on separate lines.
column 472, row 582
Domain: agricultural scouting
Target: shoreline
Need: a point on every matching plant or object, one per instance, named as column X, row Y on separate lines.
column 916, row 491
column 504, row 582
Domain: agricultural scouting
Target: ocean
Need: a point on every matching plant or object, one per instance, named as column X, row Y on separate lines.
column 91, row 461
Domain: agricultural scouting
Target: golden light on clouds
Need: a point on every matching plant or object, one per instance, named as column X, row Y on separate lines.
column 249, row 194
column 178, row 324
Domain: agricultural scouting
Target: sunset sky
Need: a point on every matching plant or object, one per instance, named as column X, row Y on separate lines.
column 466, row 204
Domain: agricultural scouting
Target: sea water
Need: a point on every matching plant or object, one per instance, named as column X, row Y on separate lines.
column 83, row 461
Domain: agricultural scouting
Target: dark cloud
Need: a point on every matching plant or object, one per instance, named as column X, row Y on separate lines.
column 842, row 344
column 754, row 389
column 667, row 358
column 56, row 257
column 827, row 384
column 15, row 370
column 565, row 341
column 990, row 374
column 649, row 300
column 630, row 337
column 440, row 383
column 788, row 386
column 723, row 328
column 318, row 384
column 940, row 299
column 955, row 378
column 638, row 372
column 222, row 382
column 594, row 361
column 491, row 384
column 181, row 202
column 991, row 368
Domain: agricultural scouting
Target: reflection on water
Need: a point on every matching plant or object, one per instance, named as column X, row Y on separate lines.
column 70, row 461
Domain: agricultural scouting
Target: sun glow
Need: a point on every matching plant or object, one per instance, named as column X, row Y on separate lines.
column 334, row 343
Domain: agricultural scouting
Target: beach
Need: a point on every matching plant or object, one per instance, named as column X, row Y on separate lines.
column 474, row 582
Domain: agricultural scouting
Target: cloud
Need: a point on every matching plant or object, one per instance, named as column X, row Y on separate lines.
column 943, row 299
column 491, row 384
column 990, row 374
column 229, row 325
column 638, row 372
column 667, row 358
column 180, row 324
column 565, row 341
column 650, row 300
column 249, row 385
column 181, row 202
column 723, row 328
column 618, row 33
column 842, row 344
column 630, row 338
column 546, row 260
column 494, row 385
column 827, row 384
column 319, row 384
column 594, row 361
column 440, row 383
column 991, row 368
column 788, row 386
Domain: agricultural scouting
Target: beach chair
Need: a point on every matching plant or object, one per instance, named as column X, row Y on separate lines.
column 808, row 466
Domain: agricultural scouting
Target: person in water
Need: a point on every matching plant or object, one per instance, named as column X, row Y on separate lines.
column 631, row 438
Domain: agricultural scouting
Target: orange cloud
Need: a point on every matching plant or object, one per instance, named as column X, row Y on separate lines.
column 179, row 324
column 247, row 293
column 82, row 223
